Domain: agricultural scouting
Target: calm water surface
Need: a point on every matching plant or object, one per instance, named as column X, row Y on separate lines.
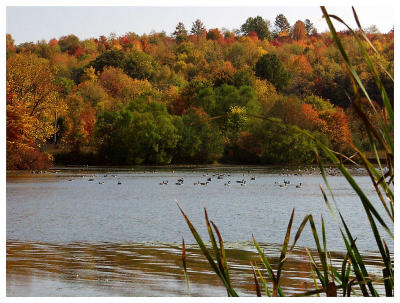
column 82, row 238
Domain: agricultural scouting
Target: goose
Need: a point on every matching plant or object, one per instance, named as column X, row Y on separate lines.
column 253, row 178
column 228, row 183
column 243, row 183
column 208, row 179
column 196, row 183
column 298, row 186
column 102, row 182
column 91, row 179
column 119, row 182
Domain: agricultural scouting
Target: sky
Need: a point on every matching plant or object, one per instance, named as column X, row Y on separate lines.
column 27, row 23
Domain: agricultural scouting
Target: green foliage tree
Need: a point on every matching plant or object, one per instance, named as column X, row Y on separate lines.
column 283, row 143
column 141, row 132
column 115, row 58
column 258, row 25
column 318, row 103
column 64, row 84
column 269, row 67
column 201, row 140
column 282, row 23
column 309, row 26
column 180, row 30
column 180, row 33
column 244, row 77
column 139, row 65
column 66, row 43
column 198, row 28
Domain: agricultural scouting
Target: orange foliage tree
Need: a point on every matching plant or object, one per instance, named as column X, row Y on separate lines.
column 32, row 100
column 299, row 30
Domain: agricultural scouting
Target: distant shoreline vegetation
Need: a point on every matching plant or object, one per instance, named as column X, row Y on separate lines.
column 197, row 96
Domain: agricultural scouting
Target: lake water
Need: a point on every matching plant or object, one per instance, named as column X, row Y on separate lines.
column 68, row 236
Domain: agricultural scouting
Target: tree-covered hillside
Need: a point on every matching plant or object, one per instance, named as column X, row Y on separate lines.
column 196, row 95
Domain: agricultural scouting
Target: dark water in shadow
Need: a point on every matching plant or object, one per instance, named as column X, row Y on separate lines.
column 82, row 238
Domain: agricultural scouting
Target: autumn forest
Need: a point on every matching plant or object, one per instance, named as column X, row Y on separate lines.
column 194, row 96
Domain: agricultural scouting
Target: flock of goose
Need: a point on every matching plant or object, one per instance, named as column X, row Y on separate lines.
column 287, row 183
column 241, row 182
column 91, row 179
column 209, row 179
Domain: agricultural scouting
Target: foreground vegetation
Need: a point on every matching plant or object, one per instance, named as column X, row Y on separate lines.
column 191, row 97
column 352, row 278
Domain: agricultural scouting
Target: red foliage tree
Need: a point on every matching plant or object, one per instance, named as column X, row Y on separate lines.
column 337, row 127
column 253, row 36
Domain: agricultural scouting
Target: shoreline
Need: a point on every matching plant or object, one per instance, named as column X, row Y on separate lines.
column 277, row 169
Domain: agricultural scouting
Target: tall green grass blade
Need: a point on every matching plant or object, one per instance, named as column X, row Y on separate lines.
column 299, row 231
column 390, row 267
column 314, row 279
column 276, row 288
column 215, row 249
column 224, row 261
column 184, row 266
column 378, row 239
column 282, row 257
column 324, row 241
column 358, row 259
column 371, row 65
column 370, row 173
column 324, row 177
column 267, row 292
column 327, row 202
column 257, row 285
column 356, row 269
column 377, row 180
column 344, row 273
column 347, row 277
column 207, row 254
column 314, row 264
column 320, row 252
column 391, row 76
column 355, row 76
column 365, row 201
column 385, row 140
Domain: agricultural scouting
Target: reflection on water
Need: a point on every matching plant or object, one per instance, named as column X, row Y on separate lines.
column 132, row 269
column 82, row 238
